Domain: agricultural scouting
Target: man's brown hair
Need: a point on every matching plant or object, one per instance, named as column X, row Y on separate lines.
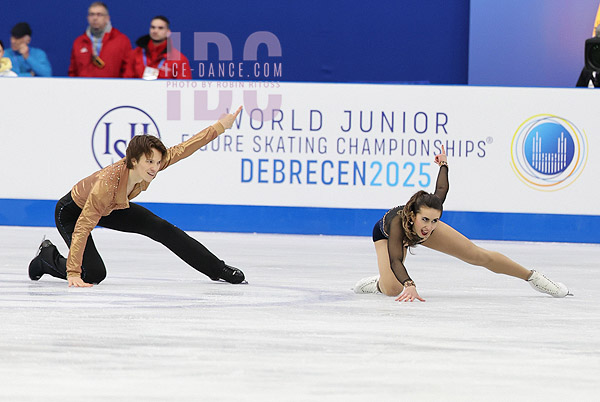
column 142, row 145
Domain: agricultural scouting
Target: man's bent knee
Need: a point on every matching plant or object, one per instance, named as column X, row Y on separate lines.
column 94, row 277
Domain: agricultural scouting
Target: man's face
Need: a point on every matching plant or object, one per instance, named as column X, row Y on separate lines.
column 159, row 30
column 17, row 44
column 147, row 166
column 98, row 17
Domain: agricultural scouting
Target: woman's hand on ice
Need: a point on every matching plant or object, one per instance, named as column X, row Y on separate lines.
column 409, row 294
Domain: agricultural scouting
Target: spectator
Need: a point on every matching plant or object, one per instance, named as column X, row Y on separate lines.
column 26, row 61
column 155, row 57
column 5, row 64
column 102, row 51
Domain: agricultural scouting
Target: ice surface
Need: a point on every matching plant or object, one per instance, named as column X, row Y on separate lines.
column 157, row 330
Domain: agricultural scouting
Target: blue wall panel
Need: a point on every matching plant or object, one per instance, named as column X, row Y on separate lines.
column 329, row 221
column 479, row 42
column 529, row 43
column 322, row 41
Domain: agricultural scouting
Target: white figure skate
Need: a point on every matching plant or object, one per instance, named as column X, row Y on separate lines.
column 539, row 282
column 367, row 285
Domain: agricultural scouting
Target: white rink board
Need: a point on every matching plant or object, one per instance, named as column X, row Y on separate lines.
column 48, row 130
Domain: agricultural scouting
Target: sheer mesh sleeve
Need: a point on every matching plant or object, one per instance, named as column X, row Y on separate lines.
column 442, row 185
column 396, row 250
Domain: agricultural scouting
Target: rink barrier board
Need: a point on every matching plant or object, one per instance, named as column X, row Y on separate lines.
column 329, row 221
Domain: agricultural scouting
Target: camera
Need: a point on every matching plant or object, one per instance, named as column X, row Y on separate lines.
column 590, row 74
column 592, row 54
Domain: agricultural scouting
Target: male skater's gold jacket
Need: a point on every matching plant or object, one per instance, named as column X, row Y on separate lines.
column 106, row 190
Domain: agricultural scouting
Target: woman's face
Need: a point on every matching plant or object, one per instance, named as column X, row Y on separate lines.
column 147, row 167
column 426, row 221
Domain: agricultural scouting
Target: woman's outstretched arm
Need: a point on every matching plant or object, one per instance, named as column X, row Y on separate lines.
column 442, row 185
column 396, row 252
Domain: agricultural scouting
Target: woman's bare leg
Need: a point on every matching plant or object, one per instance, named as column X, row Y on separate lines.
column 388, row 284
column 449, row 241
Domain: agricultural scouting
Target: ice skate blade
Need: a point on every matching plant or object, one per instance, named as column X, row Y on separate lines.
column 39, row 250
column 244, row 282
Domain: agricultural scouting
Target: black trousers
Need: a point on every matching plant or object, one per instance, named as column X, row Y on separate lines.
column 135, row 219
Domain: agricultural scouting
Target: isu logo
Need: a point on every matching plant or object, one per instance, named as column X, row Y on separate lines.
column 115, row 128
column 548, row 152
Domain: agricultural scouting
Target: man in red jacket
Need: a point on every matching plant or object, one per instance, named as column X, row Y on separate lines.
column 102, row 51
column 155, row 57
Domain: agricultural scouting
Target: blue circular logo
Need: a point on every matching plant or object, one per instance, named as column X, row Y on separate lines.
column 548, row 152
column 115, row 128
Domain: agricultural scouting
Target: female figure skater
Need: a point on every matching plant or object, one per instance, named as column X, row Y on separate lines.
column 103, row 199
column 418, row 222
